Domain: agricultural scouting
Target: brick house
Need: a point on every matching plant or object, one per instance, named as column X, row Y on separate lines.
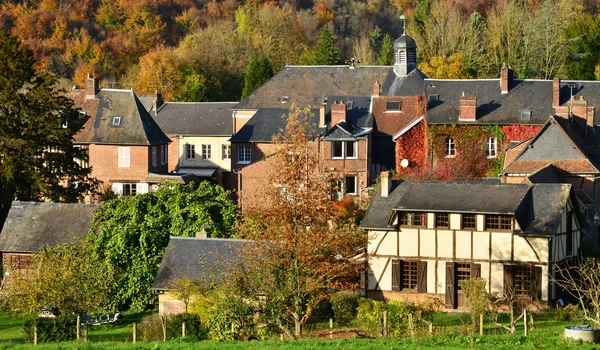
column 125, row 145
column 424, row 237
column 30, row 226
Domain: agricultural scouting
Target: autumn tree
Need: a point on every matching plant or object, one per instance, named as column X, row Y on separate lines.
column 130, row 234
column 301, row 252
column 362, row 50
column 453, row 67
column 325, row 51
column 68, row 278
column 37, row 123
column 259, row 71
column 160, row 70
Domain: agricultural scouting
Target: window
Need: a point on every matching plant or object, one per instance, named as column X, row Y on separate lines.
column 226, row 151
column 350, row 185
column 468, row 221
column 526, row 115
column 463, row 272
column 442, row 220
column 124, row 157
column 244, row 155
column 190, row 151
column 129, row 189
column 450, row 147
column 434, row 97
column 490, row 147
column 409, row 275
column 116, row 121
column 154, row 156
column 393, row 106
column 81, row 115
column 412, row 219
column 498, row 222
column 344, row 149
column 524, row 280
column 206, row 151
column 163, row 154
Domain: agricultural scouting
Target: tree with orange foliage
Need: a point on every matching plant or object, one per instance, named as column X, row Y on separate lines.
column 160, row 70
column 453, row 67
column 302, row 251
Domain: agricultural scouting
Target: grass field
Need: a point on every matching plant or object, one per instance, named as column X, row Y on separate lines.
column 546, row 335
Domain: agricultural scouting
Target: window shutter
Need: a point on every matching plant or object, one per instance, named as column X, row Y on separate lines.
column 422, row 277
column 508, row 277
column 536, row 282
column 450, row 286
column 142, row 188
column 475, row 270
column 396, row 274
column 117, row 188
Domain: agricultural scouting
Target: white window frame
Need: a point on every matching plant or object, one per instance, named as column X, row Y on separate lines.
column 129, row 189
column 355, row 185
column 190, row 151
column 491, row 147
column 154, row 156
column 244, row 154
column 345, row 145
column 206, row 151
column 124, row 157
column 225, row 151
column 450, row 147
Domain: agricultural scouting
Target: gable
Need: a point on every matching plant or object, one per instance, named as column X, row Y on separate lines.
column 551, row 144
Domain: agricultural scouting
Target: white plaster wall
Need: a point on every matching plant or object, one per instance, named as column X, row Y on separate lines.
column 409, row 242
column 501, row 245
column 527, row 252
column 388, row 246
column 441, row 286
column 428, row 243
column 485, row 273
column 430, row 220
column 481, row 245
column 216, row 159
column 430, row 276
column 480, row 222
column 376, row 272
column 463, row 244
column 455, row 221
column 497, row 278
column 444, row 243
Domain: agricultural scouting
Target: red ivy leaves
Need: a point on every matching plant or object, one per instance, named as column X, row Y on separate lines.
column 520, row 132
column 413, row 146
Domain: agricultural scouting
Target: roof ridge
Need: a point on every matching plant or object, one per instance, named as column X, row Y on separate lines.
column 211, row 239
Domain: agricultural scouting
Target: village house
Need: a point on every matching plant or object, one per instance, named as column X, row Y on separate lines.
column 425, row 237
column 30, row 226
column 126, row 147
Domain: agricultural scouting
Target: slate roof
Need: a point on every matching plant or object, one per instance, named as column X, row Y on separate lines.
column 537, row 208
column 201, row 259
column 137, row 126
column 196, row 118
column 268, row 122
column 590, row 90
column 32, row 225
column 359, row 120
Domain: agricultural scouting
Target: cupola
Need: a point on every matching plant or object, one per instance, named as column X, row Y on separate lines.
column 405, row 55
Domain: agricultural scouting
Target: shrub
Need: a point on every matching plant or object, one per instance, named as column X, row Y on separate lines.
column 193, row 327
column 51, row 329
column 344, row 306
column 151, row 328
column 370, row 316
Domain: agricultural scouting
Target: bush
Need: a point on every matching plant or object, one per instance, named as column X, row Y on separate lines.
column 50, row 329
column 370, row 316
column 344, row 306
column 151, row 328
column 193, row 327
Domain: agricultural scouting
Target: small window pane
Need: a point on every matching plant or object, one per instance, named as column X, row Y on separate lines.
column 392, row 105
column 450, row 147
column 350, row 184
column 468, row 221
column 337, row 149
column 351, row 149
column 409, row 275
column 442, row 220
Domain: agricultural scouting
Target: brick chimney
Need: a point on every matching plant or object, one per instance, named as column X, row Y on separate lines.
column 386, row 183
column 322, row 114
column 376, row 88
column 468, row 108
column 157, row 101
column 506, row 77
column 555, row 92
column 338, row 112
column 583, row 115
column 91, row 86
column 203, row 234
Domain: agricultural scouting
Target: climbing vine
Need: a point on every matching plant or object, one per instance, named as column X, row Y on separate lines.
column 412, row 146
column 520, row 132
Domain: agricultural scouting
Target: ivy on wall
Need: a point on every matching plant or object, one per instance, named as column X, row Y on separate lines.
column 414, row 147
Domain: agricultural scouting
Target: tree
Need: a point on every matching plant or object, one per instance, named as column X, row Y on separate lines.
column 160, row 70
column 477, row 297
column 453, row 67
column 583, row 33
column 325, row 52
column 68, row 278
column 386, row 53
column 582, row 282
column 37, row 123
column 130, row 234
column 259, row 71
column 362, row 50
column 301, row 252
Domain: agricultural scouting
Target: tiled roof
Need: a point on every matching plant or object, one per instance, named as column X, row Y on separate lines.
column 389, row 123
column 90, row 107
column 196, row 118
column 268, row 122
column 33, row 225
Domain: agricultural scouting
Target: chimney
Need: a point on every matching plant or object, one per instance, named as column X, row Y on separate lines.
column 338, row 112
column 91, row 86
column 376, row 88
column 468, row 108
column 581, row 113
column 322, row 115
column 202, row 234
column 555, row 92
column 157, row 102
column 386, row 183
column 506, row 77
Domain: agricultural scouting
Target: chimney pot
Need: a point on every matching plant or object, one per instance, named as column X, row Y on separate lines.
column 386, row 183
column 202, row 234
column 376, row 88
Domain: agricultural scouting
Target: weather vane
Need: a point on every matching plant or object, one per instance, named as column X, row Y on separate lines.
column 403, row 24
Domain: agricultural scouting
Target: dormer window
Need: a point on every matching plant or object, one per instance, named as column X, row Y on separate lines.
column 434, row 97
column 393, row 106
column 81, row 115
column 526, row 115
column 116, row 121
column 284, row 99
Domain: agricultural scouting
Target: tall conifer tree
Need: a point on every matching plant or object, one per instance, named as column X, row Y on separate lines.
column 325, row 52
column 386, row 53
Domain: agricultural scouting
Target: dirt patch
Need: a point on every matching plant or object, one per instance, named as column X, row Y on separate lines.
column 346, row 333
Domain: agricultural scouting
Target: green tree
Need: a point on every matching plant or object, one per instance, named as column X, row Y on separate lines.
column 325, row 52
column 130, row 234
column 386, row 53
column 68, row 278
column 583, row 33
column 259, row 71
column 37, row 123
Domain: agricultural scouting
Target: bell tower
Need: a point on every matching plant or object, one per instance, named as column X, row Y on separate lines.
column 405, row 53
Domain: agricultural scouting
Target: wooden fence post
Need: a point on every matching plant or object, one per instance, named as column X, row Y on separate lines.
column 134, row 333
column 330, row 328
column 85, row 331
column 481, row 324
column 410, row 324
column 525, row 320
column 385, row 330
column 430, row 328
column 77, row 329
column 183, row 329
column 34, row 335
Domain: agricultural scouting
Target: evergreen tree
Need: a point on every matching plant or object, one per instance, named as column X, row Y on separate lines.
column 325, row 52
column 37, row 123
column 386, row 53
column 259, row 71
